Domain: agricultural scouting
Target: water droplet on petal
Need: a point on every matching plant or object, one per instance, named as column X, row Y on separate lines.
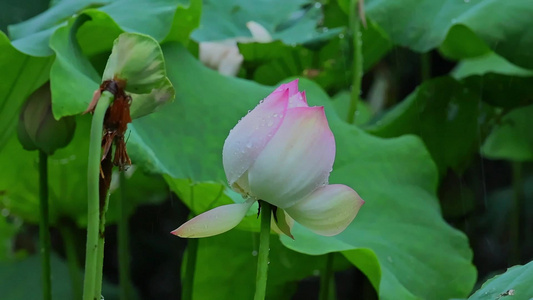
column 270, row 123
column 248, row 145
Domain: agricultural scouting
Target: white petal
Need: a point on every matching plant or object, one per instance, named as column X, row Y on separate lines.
column 296, row 161
column 328, row 210
column 246, row 141
column 215, row 221
column 259, row 33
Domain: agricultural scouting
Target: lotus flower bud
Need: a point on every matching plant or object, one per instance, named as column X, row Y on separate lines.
column 282, row 153
column 37, row 129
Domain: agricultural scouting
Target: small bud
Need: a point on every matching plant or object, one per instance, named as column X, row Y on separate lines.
column 37, row 128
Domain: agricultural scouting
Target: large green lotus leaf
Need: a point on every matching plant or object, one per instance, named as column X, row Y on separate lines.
column 461, row 42
column 31, row 36
column 215, row 278
column 67, row 181
column 287, row 21
column 442, row 112
column 424, row 24
column 14, row 11
column 515, row 283
column 73, row 79
column 511, row 138
column 22, row 280
column 21, row 75
column 97, row 35
column 488, row 63
column 150, row 17
column 399, row 229
column 186, row 19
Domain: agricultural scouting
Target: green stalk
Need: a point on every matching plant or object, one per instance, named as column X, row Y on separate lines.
column 518, row 204
column 123, row 242
column 188, row 280
column 100, row 256
column 44, row 233
column 93, row 203
column 262, row 257
column 72, row 259
column 355, row 27
column 325, row 278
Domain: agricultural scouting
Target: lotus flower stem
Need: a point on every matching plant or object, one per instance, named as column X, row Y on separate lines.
column 357, row 60
column 123, row 242
column 264, row 248
column 100, row 253
column 44, row 233
column 90, row 286
column 326, row 278
column 188, row 280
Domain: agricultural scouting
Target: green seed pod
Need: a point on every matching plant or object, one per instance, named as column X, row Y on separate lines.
column 37, row 128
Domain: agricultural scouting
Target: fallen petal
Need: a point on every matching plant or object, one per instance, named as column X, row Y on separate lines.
column 328, row 210
column 215, row 221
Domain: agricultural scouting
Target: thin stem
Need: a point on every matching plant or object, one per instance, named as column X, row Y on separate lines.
column 93, row 201
column 188, row 280
column 264, row 248
column 425, row 66
column 123, row 242
column 100, row 253
column 357, row 60
column 44, row 233
column 518, row 203
column 69, row 238
column 326, row 278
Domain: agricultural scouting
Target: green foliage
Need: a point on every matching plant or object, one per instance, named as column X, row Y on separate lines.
column 511, row 139
column 515, row 283
column 442, row 112
column 67, row 181
column 216, row 278
column 357, row 154
column 20, row 280
column 424, row 25
column 397, row 160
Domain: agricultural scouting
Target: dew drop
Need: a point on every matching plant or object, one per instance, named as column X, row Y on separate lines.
column 316, row 272
column 341, row 36
column 254, row 253
column 270, row 123
column 248, row 145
